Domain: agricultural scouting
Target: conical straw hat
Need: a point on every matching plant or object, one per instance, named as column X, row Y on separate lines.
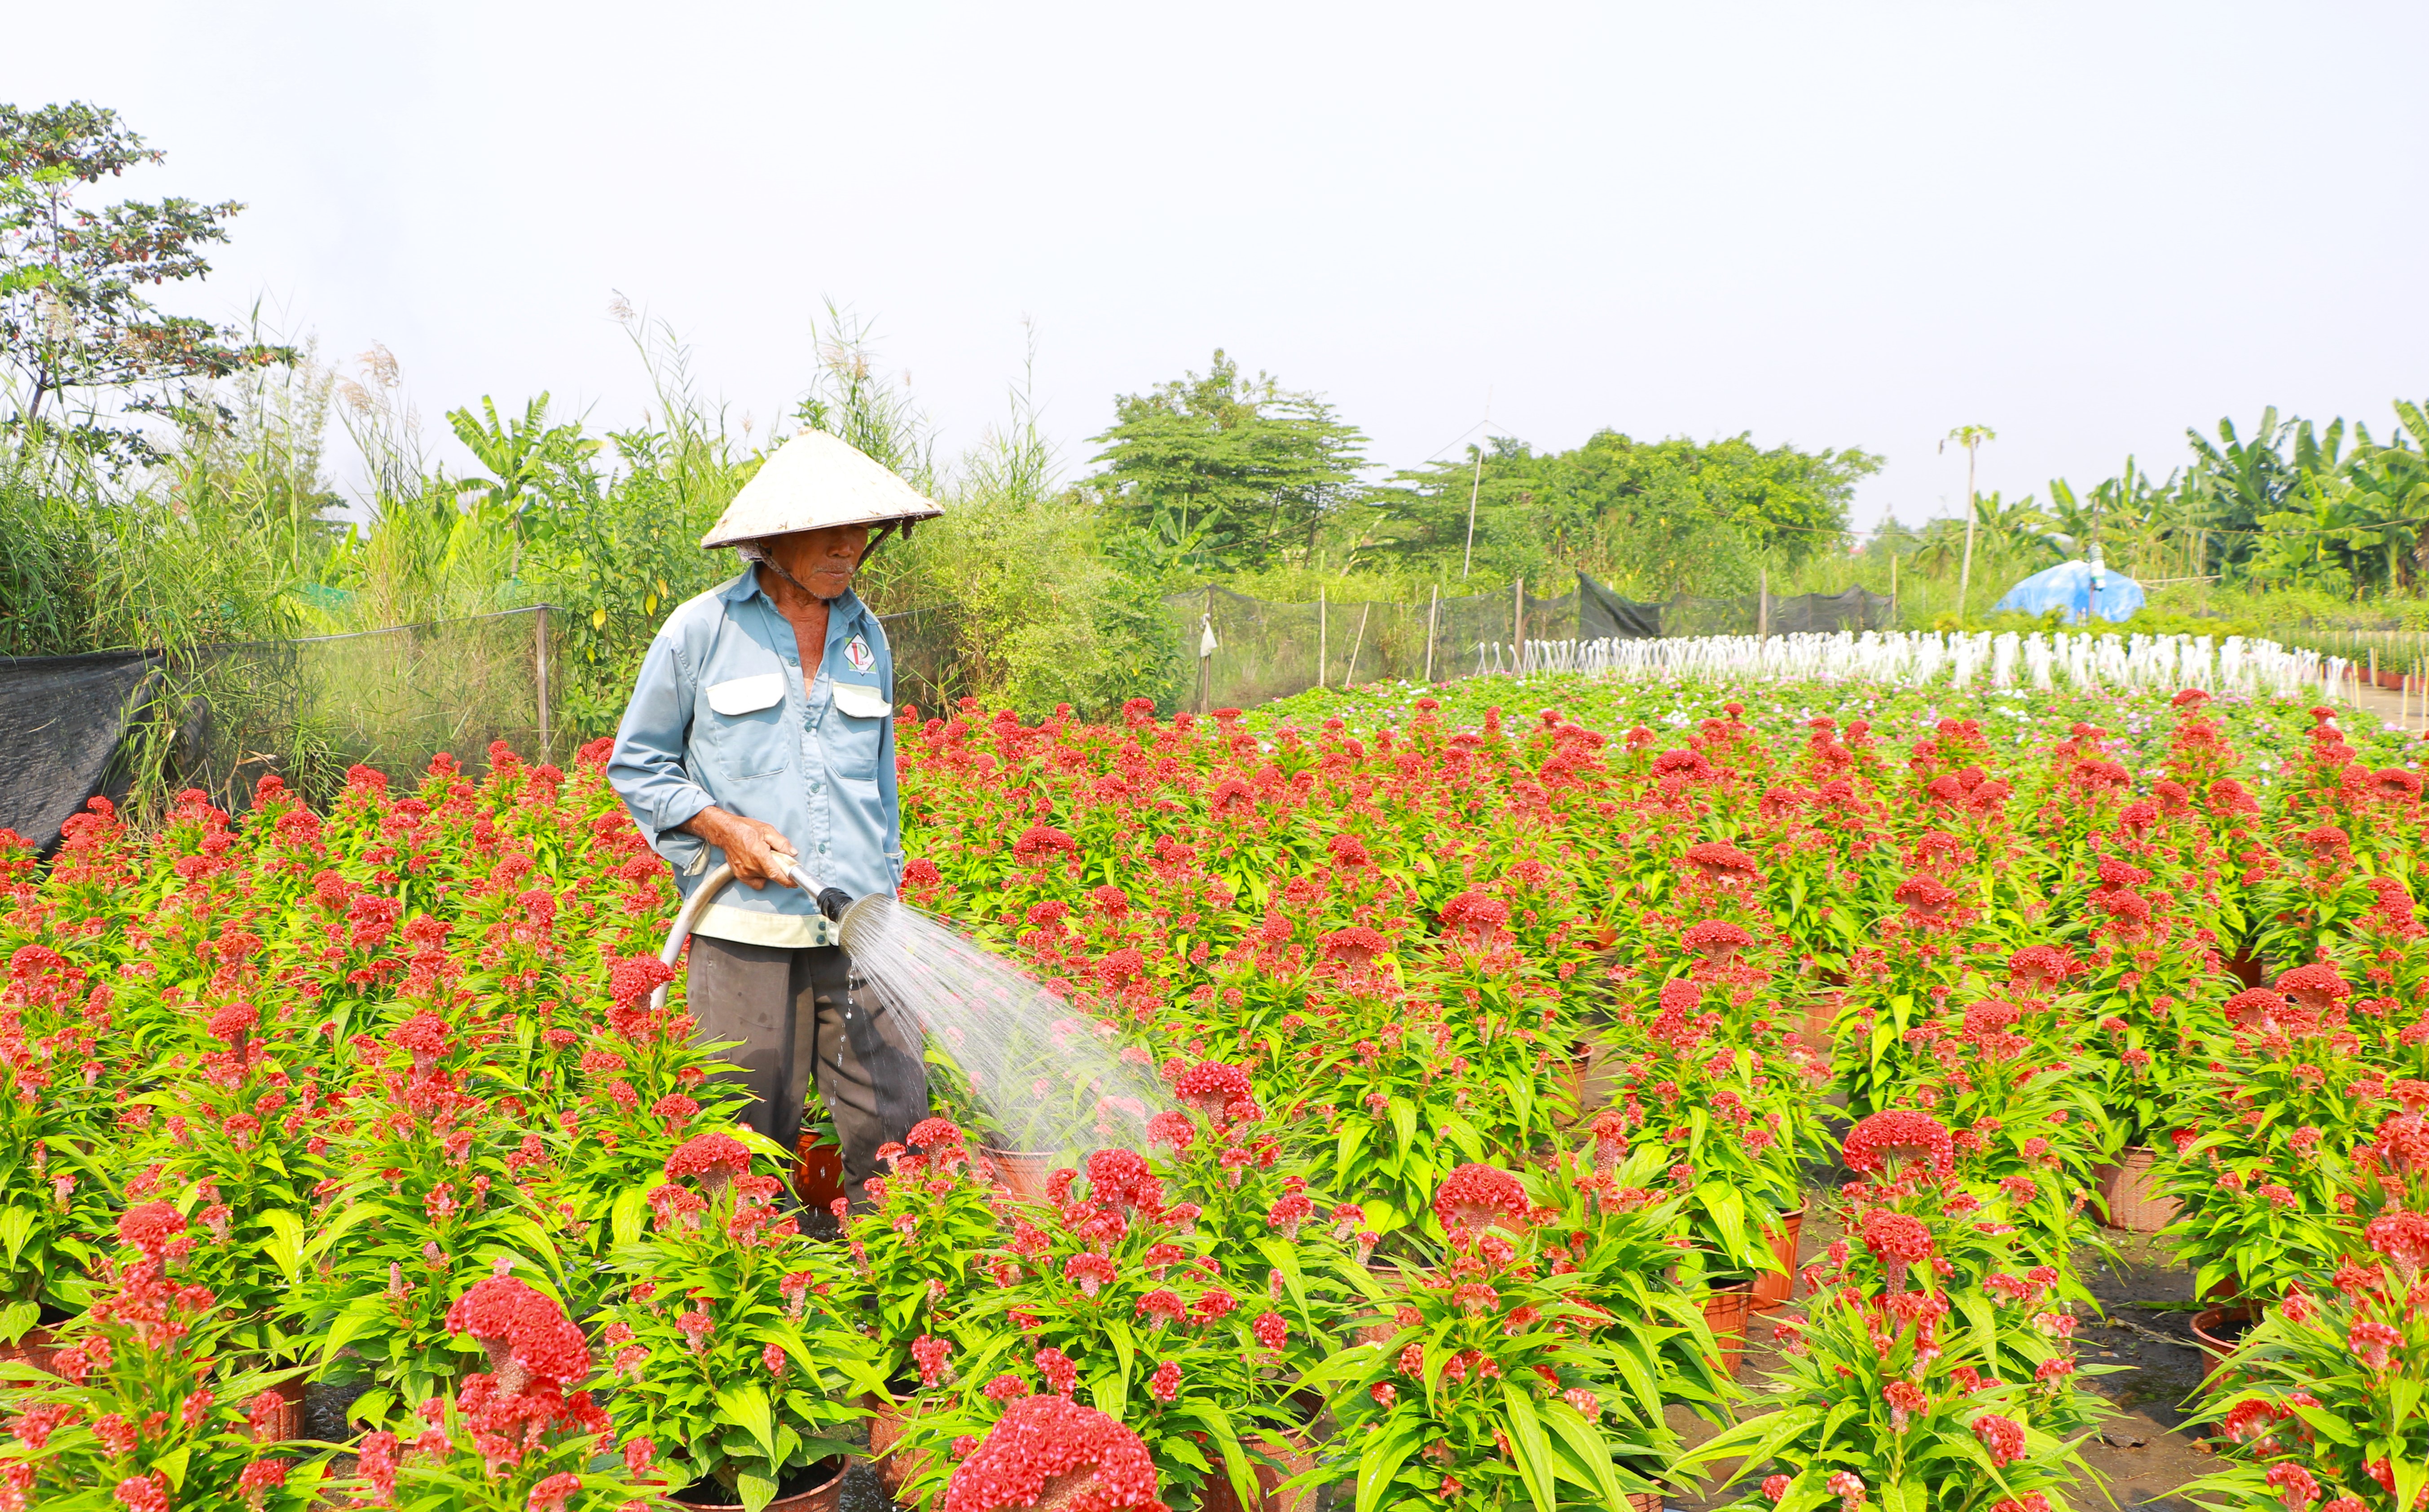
column 813, row 481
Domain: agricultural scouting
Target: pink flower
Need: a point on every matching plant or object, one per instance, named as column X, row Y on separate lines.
column 1165, row 1384
column 2294, row 1486
column 1774, row 1487
column 772, row 1358
column 1271, row 1329
column 1384, row 1393
column 1588, row 1405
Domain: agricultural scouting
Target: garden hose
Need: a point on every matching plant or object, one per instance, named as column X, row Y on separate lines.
column 702, row 897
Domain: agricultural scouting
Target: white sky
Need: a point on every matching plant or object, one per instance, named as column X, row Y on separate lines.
column 2086, row 225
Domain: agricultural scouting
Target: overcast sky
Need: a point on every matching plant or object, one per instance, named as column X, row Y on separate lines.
column 2085, row 225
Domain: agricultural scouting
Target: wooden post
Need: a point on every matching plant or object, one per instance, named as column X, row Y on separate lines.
column 539, row 670
column 1321, row 629
column 1431, row 604
column 1351, row 676
column 1894, row 620
column 1517, row 623
column 1206, row 667
column 1763, row 605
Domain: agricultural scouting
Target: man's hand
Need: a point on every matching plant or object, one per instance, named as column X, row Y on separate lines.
column 755, row 850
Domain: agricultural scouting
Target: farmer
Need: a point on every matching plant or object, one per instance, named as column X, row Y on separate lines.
column 761, row 735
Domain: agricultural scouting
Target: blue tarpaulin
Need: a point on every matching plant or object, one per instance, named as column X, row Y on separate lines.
column 2080, row 590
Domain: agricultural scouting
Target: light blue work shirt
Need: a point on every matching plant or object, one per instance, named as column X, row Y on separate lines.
column 722, row 715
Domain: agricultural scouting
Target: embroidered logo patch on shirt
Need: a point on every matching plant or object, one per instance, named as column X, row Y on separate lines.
column 857, row 653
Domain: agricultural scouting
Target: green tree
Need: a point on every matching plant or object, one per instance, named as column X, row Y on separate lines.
column 76, row 324
column 1652, row 517
column 1222, row 471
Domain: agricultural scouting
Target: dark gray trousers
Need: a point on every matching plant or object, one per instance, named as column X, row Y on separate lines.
column 802, row 1014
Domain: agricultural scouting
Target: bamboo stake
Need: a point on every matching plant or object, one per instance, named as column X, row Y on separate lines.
column 1347, row 677
column 1431, row 604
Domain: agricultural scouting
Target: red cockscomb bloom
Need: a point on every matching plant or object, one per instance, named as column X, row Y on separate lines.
column 1047, row 1449
column 1210, row 1086
column 1475, row 1195
column 527, row 1336
column 716, row 1159
column 2315, row 987
column 1902, row 1136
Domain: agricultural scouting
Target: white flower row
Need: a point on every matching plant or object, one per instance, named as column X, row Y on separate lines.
column 1918, row 658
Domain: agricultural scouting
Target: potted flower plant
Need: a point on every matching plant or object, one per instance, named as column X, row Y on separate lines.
column 131, row 1409
column 725, row 1351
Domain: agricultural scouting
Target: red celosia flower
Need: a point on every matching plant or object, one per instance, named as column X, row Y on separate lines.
column 1165, row 1384
column 423, row 1037
column 2039, row 968
column 151, row 1227
column 636, row 977
column 1716, row 938
column 1047, row 1449
column 550, row 1495
column 1475, row 1195
column 527, row 1336
column 1923, row 897
column 2003, row 1437
column 2315, row 987
column 715, row 1158
column 148, row 1492
column 1897, row 1241
column 1902, row 1136
column 1721, row 863
column 1091, row 1273
column 1174, row 1129
column 1210, row 1086
column 2403, row 1237
column 1163, row 1306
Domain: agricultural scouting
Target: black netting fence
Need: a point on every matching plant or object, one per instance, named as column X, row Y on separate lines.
column 144, row 725
column 1263, row 650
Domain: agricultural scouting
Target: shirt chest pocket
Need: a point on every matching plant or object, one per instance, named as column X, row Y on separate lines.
column 854, row 728
column 745, row 727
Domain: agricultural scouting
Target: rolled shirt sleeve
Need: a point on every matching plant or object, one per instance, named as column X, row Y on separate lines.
column 647, row 767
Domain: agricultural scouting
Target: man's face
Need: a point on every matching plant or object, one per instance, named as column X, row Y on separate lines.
column 821, row 561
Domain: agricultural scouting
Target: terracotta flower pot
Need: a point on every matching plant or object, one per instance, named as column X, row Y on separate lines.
column 1297, row 1457
column 1572, row 1073
column 1020, row 1173
column 821, row 1496
column 818, row 1172
column 33, row 1348
column 1645, row 1502
column 1727, row 1310
column 1817, row 1032
column 885, row 1425
column 286, row 1423
column 2131, row 1198
column 2220, row 1331
column 1773, row 1289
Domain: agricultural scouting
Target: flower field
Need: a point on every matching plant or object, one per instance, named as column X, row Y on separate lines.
column 347, row 1164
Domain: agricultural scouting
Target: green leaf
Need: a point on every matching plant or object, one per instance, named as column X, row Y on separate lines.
column 757, row 1489
column 1384, row 1454
column 173, row 1464
column 285, row 1245
column 1526, row 1437
column 16, row 1226
column 746, row 1405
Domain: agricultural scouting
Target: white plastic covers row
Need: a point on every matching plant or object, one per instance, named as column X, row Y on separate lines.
column 1908, row 658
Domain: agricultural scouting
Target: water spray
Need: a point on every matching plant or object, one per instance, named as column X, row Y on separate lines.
column 1049, row 1078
